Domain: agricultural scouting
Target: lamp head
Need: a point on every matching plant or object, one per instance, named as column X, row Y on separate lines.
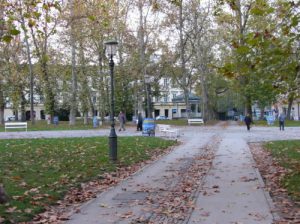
column 111, row 47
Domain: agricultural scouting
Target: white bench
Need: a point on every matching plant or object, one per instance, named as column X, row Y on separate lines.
column 168, row 130
column 195, row 121
column 13, row 125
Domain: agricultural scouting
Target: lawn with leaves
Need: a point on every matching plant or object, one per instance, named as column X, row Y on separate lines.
column 288, row 123
column 287, row 153
column 38, row 172
column 63, row 125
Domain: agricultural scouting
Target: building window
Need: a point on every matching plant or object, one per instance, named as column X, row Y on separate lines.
column 42, row 99
column 174, row 95
column 165, row 82
column 94, row 99
column 165, row 98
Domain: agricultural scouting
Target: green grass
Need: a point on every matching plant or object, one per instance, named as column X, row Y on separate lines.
column 38, row 172
column 288, row 123
column 288, row 155
column 63, row 125
column 178, row 122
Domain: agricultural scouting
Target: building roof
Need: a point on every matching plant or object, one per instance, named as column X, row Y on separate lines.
column 192, row 98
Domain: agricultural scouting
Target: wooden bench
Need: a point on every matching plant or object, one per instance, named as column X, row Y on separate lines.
column 195, row 121
column 168, row 130
column 14, row 125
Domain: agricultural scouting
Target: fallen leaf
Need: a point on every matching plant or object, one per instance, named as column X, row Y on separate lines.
column 11, row 209
column 127, row 215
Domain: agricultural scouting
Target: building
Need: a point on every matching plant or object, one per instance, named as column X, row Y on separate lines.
column 171, row 102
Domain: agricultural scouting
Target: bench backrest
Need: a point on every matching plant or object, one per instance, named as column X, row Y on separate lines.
column 199, row 120
column 16, row 124
column 163, row 126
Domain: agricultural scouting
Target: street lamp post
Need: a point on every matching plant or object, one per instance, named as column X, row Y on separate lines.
column 147, row 81
column 111, row 48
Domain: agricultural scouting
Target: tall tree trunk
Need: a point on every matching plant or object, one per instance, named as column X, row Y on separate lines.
column 103, row 101
column 49, row 99
column 2, row 103
column 85, row 86
column 73, row 103
column 182, row 61
column 290, row 104
column 23, row 105
column 201, row 60
column 248, row 106
column 141, row 37
column 86, row 118
column 32, row 117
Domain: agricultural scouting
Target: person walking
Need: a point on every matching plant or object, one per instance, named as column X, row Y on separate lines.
column 248, row 121
column 139, row 123
column 122, row 121
column 281, row 119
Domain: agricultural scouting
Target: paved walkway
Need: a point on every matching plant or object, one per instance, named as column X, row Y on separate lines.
column 231, row 192
column 68, row 133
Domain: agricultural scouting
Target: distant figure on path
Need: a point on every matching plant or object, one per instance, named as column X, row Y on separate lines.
column 281, row 119
column 139, row 123
column 248, row 121
column 122, row 120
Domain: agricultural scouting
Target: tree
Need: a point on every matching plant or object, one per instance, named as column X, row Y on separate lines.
column 202, row 41
column 41, row 19
column 177, row 18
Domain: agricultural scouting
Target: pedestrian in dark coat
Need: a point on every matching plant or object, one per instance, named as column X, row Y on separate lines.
column 122, row 120
column 281, row 119
column 139, row 122
column 248, row 121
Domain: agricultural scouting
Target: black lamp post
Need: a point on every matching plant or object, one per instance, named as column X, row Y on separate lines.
column 147, row 81
column 111, row 48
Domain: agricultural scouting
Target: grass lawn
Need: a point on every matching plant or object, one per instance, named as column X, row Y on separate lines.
column 288, row 123
column 63, row 125
column 288, row 155
column 38, row 172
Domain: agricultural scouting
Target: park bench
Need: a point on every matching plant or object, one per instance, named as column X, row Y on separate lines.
column 195, row 121
column 14, row 125
column 168, row 130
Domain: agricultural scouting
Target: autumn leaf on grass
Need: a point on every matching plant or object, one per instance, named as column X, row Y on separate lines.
column 11, row 209
column 23, row 184
column 28, row 210
column 18, row 198
column 17, row 178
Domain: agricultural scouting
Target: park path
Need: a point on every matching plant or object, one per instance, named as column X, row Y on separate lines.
column 231, row 191
column 65, row 133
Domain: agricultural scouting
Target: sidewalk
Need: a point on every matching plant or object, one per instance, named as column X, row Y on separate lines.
column 130, row 131
column 233, row 189
column 231, row 192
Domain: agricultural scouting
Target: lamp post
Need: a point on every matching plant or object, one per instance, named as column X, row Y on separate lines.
column 147, row 81
column 111, row 48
